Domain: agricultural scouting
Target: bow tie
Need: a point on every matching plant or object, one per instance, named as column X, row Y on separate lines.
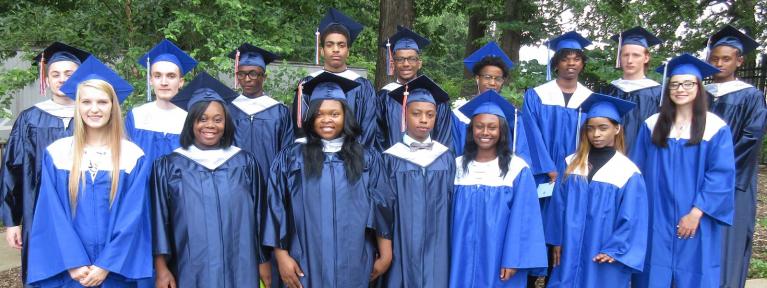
column 415, row 146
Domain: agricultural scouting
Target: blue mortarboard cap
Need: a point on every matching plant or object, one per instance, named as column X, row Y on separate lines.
column 569, row 40
column 407, row 39
column 334, row 16
column 203, row 88
column 420, row 89
column 636, row 36
column 490, row 49
column 600, row 105
column 731, row 36
column 253, row 56
column 687, row 64
column 58, row 51
column 328, row 86
column 169, row 52
column 489, row 102
column 91, row 69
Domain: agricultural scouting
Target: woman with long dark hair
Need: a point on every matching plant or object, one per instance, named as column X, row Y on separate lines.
column 686, row 156
column 329, row 215
column 497, row 231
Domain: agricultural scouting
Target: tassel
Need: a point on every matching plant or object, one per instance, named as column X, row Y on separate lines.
column 317, row 47
column 578, row 128
column 404, row 109
column 236, row 68
column 620, row 45
column 663, row 86
column 514, row 136
column 389, row 59
column 300, row 103
column 548, row 62
column 148, row 79
column 42, row 74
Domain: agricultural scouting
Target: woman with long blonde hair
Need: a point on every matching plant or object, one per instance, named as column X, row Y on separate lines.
column 92, row 227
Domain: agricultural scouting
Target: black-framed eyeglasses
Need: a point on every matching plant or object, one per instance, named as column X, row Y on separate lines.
column 487, row 77
column 687, row 85
column 412, row 59
column 253, row 74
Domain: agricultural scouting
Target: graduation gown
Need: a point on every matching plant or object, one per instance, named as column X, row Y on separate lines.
column 496, row 224
column 646, row 94
column 263, row 127
column 678, row 178
column 389, row 118
column 328, row 225
column 423, row 184
column 115, row 237
column 35, row 128
column 361, row 101
column 609, row 215
column 155, row 130
column 742, row 107
column 461, row 123
column 206, row 217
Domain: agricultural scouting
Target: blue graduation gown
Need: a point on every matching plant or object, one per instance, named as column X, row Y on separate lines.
column 645, row 93
column 263, row 127
column 328, row 225
column 496, row 224
column 461, row 123
column 423, row 184
column 743, row 108
column 115, row 237
column 206, row 217
column 35, row 128
column 361, row 100
column 390, row 120
column 609, row 215
column 155, row 130
column 678, row 178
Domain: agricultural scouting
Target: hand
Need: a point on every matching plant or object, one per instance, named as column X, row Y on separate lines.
column 380, row 267
column 553, row 176
column 13, row 237
column 556, row 255
column 603, row 258
column 289, row 270
column 164, row 278
column 689, row 224
column 95, row 277
column 78, row 273
column 265, row 272
column 507, row 273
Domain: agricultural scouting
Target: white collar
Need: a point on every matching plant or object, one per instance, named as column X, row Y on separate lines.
column 392, row 86
column 151, row 117
column 332, row 146
column 409, row 140
column 56, row 109
column 550, row 94
column 458, row 114
column 252, row 106
column 633, row 85
column 721, row 89
column 210, row 159
column 348, row 74
column 422, row 158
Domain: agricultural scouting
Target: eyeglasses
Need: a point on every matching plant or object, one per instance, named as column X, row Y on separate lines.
column 253, row 74
column 687, row 85
column 400, row 60
column 486, row 77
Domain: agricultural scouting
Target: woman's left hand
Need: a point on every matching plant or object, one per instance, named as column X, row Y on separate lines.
column 689, row 224
column 380, row 266
column 95, row 277
column 603, row 258
column 507, row 273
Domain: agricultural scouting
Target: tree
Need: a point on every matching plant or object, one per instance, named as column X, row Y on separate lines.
column 392, row 13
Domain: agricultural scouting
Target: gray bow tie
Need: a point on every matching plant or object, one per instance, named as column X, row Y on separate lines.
column 415, row 146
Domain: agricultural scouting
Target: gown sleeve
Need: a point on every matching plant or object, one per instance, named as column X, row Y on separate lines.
column 366, row 111
column 11, row 175
column 556, row 210
column 287, row 135
column 628, row 242
column 716, row 195
column 541, row 161
column 381, row 218
column 160, row 191
column 382, row 134
column 130, row 126
column 259, row 188
column 524, row 245
column 274, row 222
column 443, row 126
column 638, row 153
column 748, row 146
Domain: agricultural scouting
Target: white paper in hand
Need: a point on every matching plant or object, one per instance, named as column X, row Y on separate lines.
column 546, row 189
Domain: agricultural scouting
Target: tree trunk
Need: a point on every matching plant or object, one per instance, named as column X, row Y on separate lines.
column 511, row 40
column 477, row 27
column 392, row 13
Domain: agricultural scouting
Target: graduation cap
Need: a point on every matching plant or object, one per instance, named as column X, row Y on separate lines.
column 420, row 89
column 326, row 86
column 569, row 40
column 168, row 52
column 249, row 55
column 685, row 64
column 491, row 49
column 634, row 36
column 92, row 69
column 335, row 17
column 601, row 105
column 491, row 102
column 203, row 88
column 403, row 39
column 732, row 37
column 56, row 52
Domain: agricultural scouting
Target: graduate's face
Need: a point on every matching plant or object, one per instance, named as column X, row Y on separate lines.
column 486, row 129
column 420, row 120
column 570, row 66
column 335, row 51
column 407, row 62
column 95, row 107
column 329, row 121
column 166, row 80
column 58, row 73
column 490, row 77
column 726, row 59
column 682, row 96
column 209, row 128
column 251, row 86
column 634, row 59
column 601, row 132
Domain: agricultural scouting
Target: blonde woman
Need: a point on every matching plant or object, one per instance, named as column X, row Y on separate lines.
column 93, row 226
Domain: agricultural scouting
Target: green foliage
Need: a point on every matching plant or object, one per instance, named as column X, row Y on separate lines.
column 758, row 269
column 282, row 81
column 12, row 81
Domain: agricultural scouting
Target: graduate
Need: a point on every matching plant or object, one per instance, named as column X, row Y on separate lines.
column 156, row 125
column 421, row 171
column 497, row 234
column 686, row 157
column 35, row 128
column 205, row 198
column 329, row 207
column 634, row 59
column 262, row 124
column 336, row 34
column 742, row 107
column 92, row 225
column 404, row 51
column 599, row 228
